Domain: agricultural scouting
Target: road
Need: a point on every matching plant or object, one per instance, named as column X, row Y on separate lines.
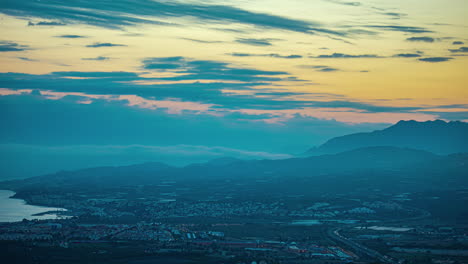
column 362, row 251
column 359, row 249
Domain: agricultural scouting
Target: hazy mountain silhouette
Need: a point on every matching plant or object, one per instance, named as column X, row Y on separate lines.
column 401, row 156
column 385, row 167
column 217, row 162
column 101, row 176
column 435, row 136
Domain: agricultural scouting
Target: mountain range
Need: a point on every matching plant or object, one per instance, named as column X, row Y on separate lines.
column 373, row 167
column 397, row 158
column 437, row 136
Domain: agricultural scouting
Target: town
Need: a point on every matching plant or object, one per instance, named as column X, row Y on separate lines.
column 386, row 229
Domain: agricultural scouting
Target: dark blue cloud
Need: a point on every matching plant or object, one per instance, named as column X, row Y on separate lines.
column 407, row 55
column 421, row 39
column 312, row 66
column 118, row 14
column 273, row 55
column 436, row 59
column 123, row 83
column 458, row 43
column 240, row 54
column 203, row 41
column 345, row 56
column 321, row 68
column 120, row 83
column 221, row 76
column 459, row 50
column 105, row 44
column 7, row 46
column 453, row 106
column 25, row 59
column 203, row 69
column 344, row 2
column 70, row 36
column 328, row 69
column 46, row 23
column 406, row 29
column 99, row 58
column 364, row 106
column 255, row 42
column 112, row 75
column 293, row 56
column 277, row 94
column 456, row 115
column 360, row 31
column 394, row 15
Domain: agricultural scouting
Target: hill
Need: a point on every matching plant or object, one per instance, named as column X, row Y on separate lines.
column 373, row 167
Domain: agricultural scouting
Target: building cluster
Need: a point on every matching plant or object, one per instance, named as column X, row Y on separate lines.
column 162, row 238
column 150, row 210
column 117, row 205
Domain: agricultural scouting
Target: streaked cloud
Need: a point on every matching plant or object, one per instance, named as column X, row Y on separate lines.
column 208, row 70
column 345, row 56
column 104, row 44
column 134, row 12
column 321, row 68
column 459, row 50
column 407, row 55
column 394, row 15
column 99, row 58
column 436, row 59
column 348, row 3
column 405, row 29
column 26, row 59
column 203, row 41
column 273, row 55
column 209, row 96
column 70, row 36
column 328, row 69
column 9, row 46
column 421, row 39
column 46, row 23
column 255, row 42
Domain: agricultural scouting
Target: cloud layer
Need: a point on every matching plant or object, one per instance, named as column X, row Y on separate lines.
column 123, row 13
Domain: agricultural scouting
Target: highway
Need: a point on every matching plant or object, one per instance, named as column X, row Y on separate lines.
column 362, row 251
column 359, row 249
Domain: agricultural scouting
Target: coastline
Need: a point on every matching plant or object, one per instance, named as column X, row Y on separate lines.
column 15, row 208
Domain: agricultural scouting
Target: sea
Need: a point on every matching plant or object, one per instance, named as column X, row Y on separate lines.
column 15, row 210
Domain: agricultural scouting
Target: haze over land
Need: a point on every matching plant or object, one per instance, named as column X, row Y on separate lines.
column 395, row 154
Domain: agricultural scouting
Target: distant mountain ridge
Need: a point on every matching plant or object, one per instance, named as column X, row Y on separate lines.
column 383, row 167
column 437, row 136
column 409, row 155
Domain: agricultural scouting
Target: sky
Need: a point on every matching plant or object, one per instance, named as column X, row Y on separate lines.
column 87, row 83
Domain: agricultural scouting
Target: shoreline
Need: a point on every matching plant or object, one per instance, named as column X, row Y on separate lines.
column 28, row 213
